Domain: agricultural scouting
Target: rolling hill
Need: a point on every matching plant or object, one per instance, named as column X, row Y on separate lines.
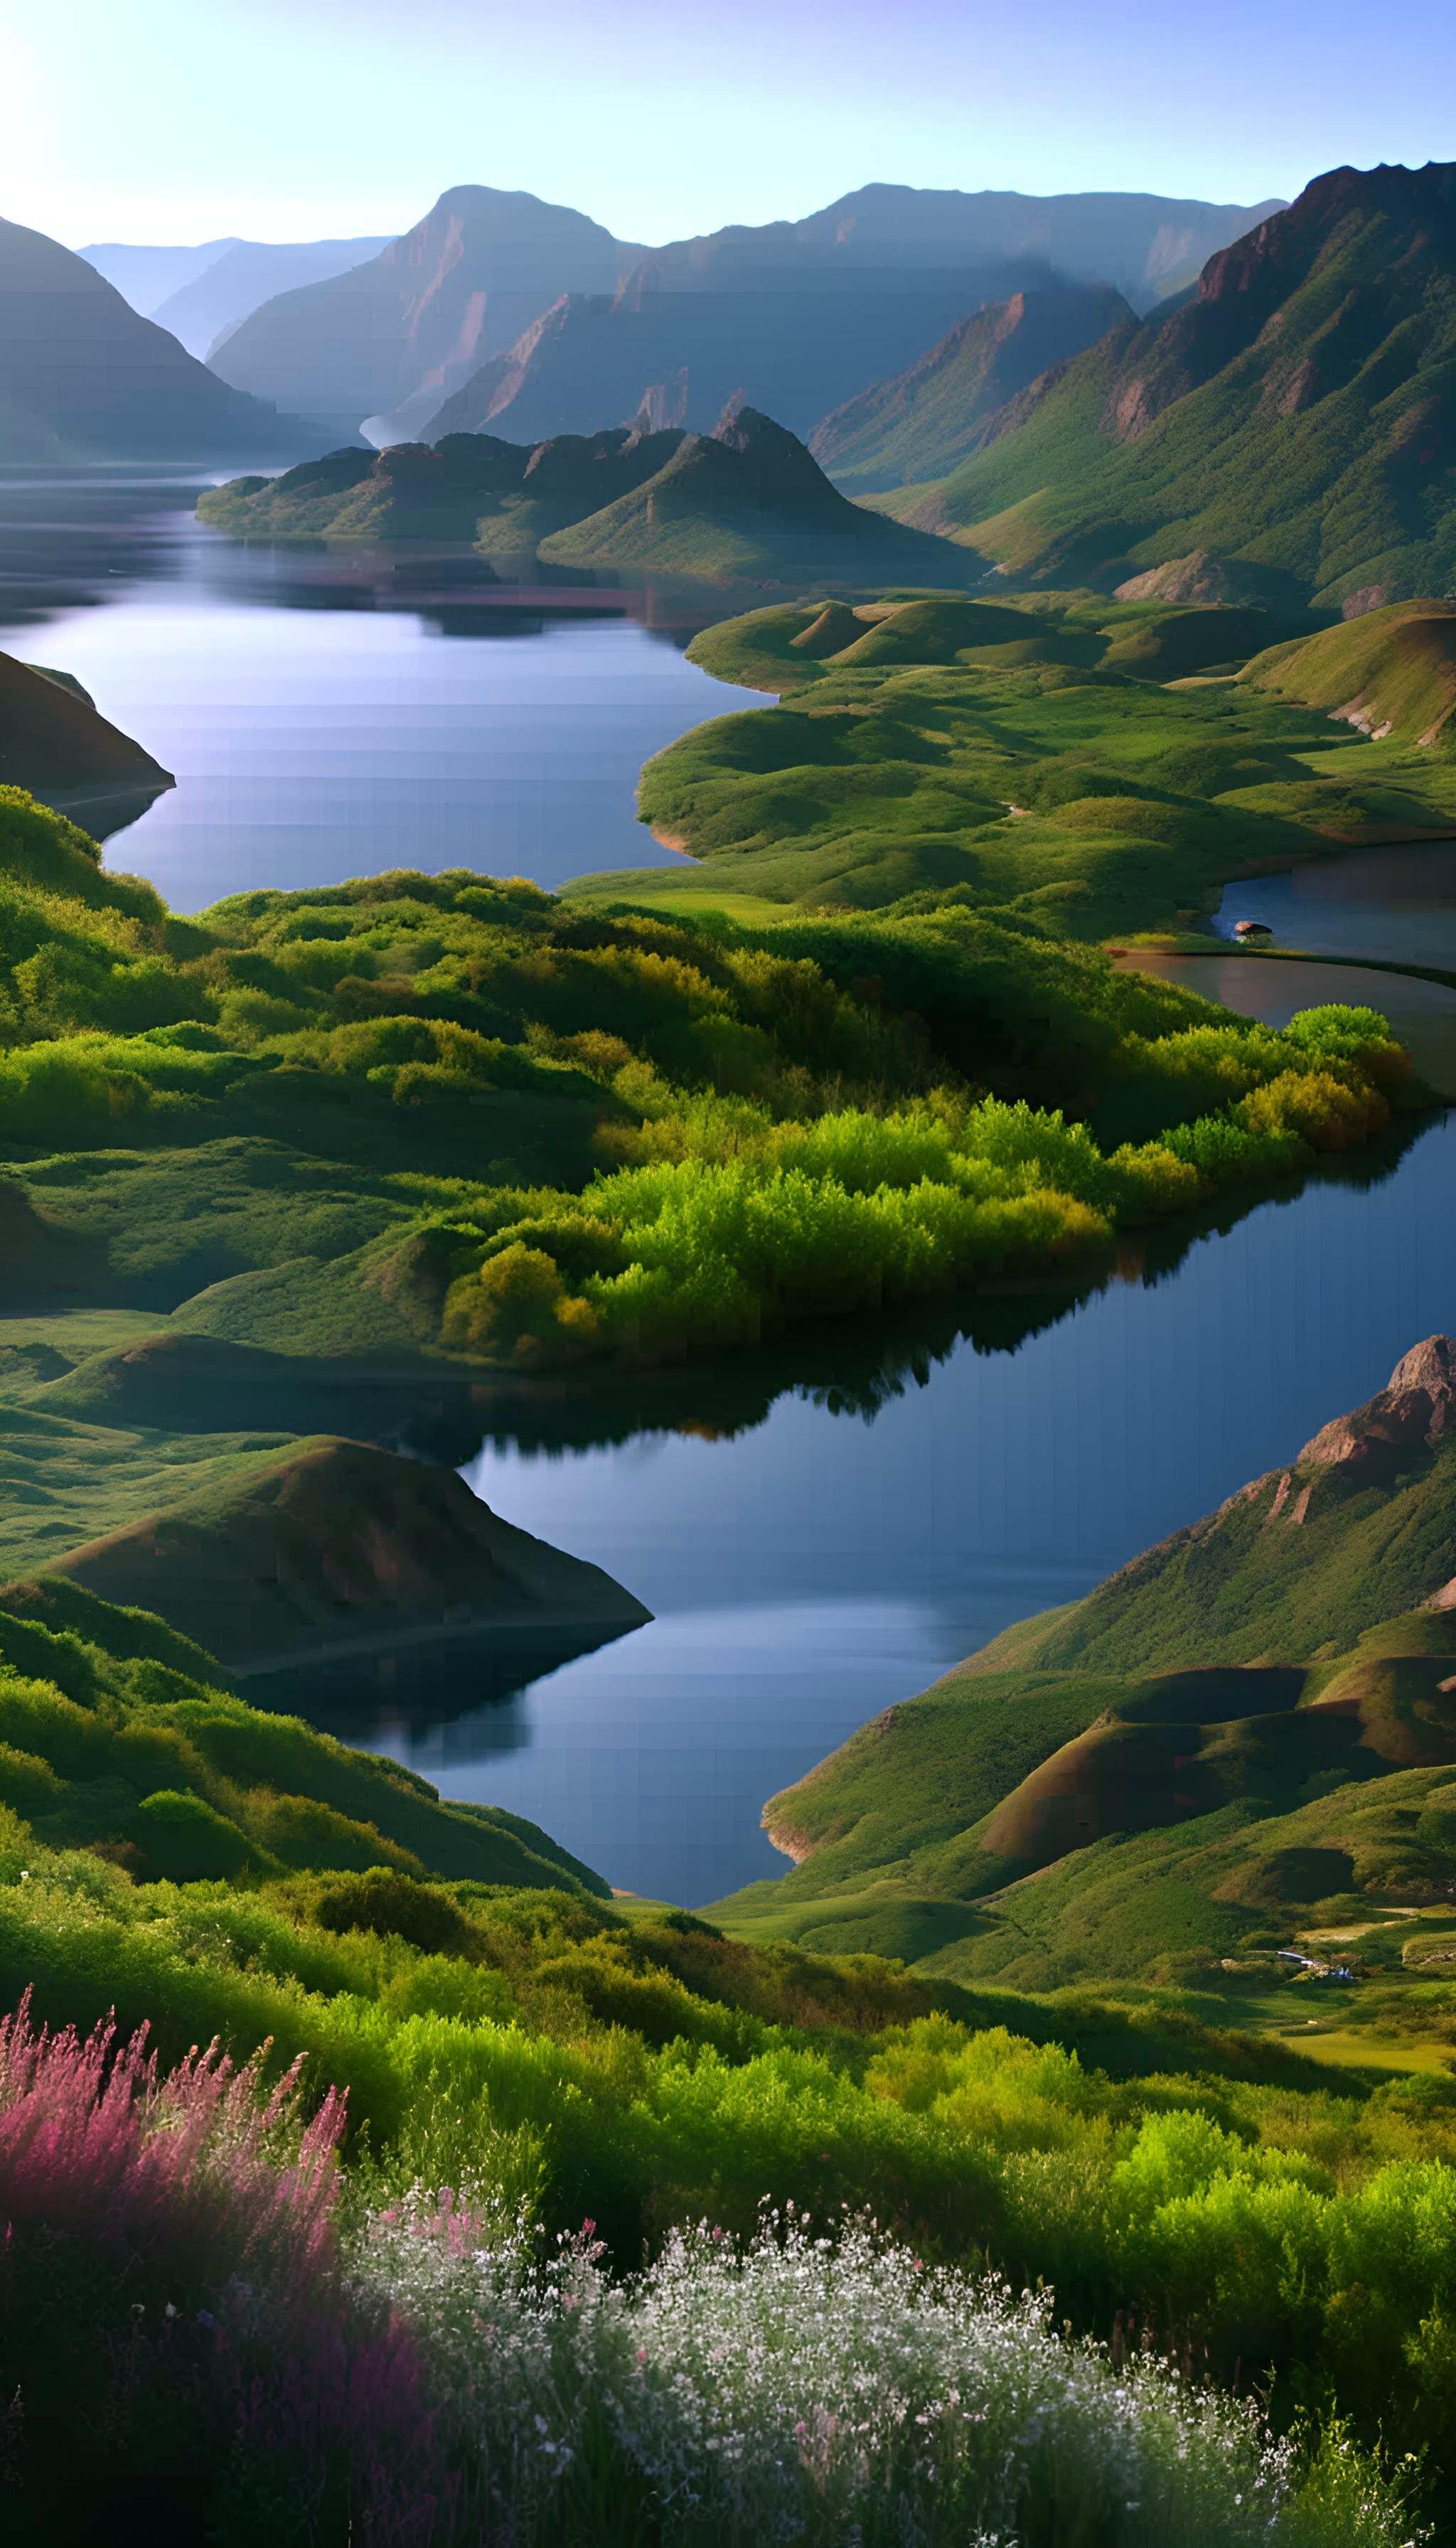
column 82, row 376
column 1390, row 671
column 1294, row 416
column 401, row 332
column 747, row 502
column 505, row 497
column 1255, row 1717
column 334, row 1547
column 930, row 418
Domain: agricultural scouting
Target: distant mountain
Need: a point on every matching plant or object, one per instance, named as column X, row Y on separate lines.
column 83, row 376
column 925, row 421
column 401, row 332
column 147, row 276
column 674, row 358
column 800, row 317
column 248, row 273
column 1145, row 245
column 747, row 502
column 1297, row 415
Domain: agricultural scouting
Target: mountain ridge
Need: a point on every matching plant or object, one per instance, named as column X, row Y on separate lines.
column 85, row 378
column 1297, row 413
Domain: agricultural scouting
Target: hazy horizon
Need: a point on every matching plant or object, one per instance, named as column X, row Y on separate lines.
column 130, row 130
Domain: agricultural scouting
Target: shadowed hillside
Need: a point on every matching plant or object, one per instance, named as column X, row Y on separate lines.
column 83, row 378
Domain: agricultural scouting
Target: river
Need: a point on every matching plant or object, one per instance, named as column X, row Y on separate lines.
column 813, row 1547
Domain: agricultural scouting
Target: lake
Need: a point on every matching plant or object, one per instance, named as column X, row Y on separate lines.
column 808, row 1562
column 328, row 717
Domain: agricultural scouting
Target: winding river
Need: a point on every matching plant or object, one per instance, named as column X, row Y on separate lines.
column 821, row 1542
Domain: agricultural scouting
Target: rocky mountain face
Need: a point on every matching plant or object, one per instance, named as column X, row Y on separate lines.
column 1358, row 1527
column 83, row 376
column 545, row 324
column 927, row 420
column 402, row 330
column 1297, row 412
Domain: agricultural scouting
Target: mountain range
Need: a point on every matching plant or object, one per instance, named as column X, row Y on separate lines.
column 927, row 420
column 83, row 376
column 498, row 309
column 394, row 336
column 1295, row 418
column 201, row 294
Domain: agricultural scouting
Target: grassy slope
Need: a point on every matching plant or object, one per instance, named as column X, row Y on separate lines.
column 1394, row 670
column 1288, row 419
column 113, row 1731
column 924, row 423
column 1044, row 1811
column 890, row 764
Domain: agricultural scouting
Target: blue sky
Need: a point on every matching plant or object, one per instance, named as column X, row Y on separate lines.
column 297, row 119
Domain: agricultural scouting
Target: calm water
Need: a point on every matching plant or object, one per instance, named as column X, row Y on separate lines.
column 816, row 1567
column 327, row 718
column 1423, row 1014
column 1399, row 903
column 807, row 1563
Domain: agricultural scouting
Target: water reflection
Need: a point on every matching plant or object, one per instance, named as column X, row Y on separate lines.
column 332, row 715
column 1398, row 903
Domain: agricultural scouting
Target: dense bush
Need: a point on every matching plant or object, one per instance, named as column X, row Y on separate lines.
column 189, row 2321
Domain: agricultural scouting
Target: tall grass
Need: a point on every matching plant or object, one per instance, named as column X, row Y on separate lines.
column 190, row 2315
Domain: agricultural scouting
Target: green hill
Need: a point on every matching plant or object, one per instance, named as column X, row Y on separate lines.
column 1064, row 756
column 115, row 1737
column 469, row 487
column 1391, row 672
column 53, row 740
column 929, row 418
column 1291, row 417
column 334, row 1547
column 1254, row 1717
column 748, row 504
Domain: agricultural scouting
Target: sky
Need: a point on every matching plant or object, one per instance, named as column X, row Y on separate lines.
column 184, row 119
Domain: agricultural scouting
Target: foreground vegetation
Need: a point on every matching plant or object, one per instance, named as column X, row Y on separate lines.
column 369, row 2354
